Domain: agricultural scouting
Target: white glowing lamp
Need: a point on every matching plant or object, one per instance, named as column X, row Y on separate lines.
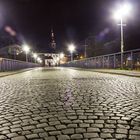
column 123, row 11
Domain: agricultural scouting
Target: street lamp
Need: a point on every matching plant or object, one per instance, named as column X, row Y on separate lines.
column 71, row 48
column 26, row 49
column 35, row 56
column 61, row 55
column 122, row 12
column 39, row 60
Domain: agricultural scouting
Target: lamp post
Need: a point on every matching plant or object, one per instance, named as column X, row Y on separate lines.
column 26, row 49
column 122, row 43
column 71, row 48
column 120, row 14
column 86, row 45
column 85, row 53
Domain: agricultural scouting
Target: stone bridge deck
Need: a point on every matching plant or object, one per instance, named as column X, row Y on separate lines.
column 63, row 104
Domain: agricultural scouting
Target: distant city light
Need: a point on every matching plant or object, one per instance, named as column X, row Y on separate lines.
column 81, row 57
column 57, row 58
column 26, row 48
column 61, row 55
column 35, row 55
column 71, row 48
column 39, row 60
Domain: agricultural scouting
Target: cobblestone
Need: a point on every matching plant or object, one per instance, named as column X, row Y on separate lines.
column 32, row 136
column 68, row 131
column 93, row 129
column 80, row 130
column 59, row 127
column 63, row 137
column 55, row 133
column 106, row 135
column 2, row 137
column 10, row 135
column 91, row 135
column 76, row 136
column 63, row 104
column 19, row 138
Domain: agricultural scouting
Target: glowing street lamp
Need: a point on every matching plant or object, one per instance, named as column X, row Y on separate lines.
column 122, row 12
column 61, row 55
column 71, row 48
column 35, row 56
column 26, row 49
column 39, row 60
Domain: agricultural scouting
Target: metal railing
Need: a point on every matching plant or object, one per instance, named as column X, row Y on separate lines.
column 131, row 60
column 11, row 65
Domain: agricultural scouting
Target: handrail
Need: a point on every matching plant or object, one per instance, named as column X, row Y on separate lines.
column 130, row 60
column 11, row 64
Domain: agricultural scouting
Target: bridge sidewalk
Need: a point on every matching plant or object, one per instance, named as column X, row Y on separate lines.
column 131, row 73
column 8, row 73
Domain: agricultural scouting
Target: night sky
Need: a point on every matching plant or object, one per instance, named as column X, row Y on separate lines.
column 72, row 21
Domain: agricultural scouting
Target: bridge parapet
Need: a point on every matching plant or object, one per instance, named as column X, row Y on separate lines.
column 131, row 60
column 11, row 65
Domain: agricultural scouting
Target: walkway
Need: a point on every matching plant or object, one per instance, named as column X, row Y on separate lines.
column 63, row 103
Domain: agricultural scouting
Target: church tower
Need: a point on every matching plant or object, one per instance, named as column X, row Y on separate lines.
column 53, row 43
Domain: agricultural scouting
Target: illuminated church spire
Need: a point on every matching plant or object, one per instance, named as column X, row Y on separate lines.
column 53, row 43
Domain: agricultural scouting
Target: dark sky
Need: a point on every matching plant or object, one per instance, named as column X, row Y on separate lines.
column 72, row 20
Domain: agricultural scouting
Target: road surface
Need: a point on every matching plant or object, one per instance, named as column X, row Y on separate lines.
column 63, row 104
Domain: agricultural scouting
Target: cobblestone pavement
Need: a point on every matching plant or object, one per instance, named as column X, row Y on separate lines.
column 63, row 104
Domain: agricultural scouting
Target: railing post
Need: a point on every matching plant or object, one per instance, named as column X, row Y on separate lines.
column 3, row 64
column 0, row 64
column 103, row 61
column 131, row 60
column 114, row 61
column 96, row 62
column 108, row 61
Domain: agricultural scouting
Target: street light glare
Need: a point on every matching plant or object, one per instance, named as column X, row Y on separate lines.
column 123, row 11
column 61, row 55
column 71, row 48
column 26, row 48
column 127, row 9
column 35, row 55
column 38, row 59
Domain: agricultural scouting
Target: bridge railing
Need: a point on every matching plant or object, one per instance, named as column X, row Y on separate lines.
column 10, row 64
column 131, row 60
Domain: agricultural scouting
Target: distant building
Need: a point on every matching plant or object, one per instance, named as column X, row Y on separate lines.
column 12, row 50
column 51, row 58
